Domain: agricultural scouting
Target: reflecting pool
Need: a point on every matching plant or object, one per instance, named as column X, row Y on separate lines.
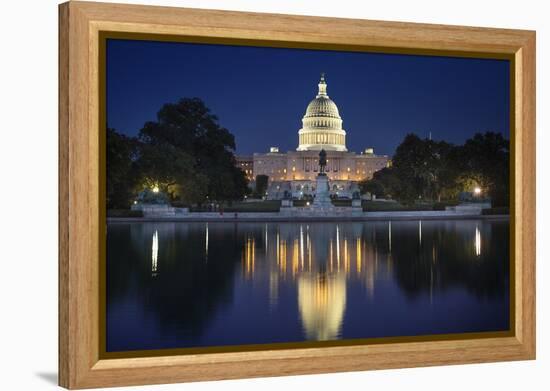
column 175, row 284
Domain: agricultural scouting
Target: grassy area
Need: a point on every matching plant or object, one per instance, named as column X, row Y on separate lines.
column 341, row 202
column 240, row 207
column 300, row 203
column 124, row 213
column 393, row 206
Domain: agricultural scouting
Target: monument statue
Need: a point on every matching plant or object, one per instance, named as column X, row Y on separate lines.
column 322, row 201
column 322, row 161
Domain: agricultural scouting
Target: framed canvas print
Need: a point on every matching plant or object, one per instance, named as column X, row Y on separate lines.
column 247, row 195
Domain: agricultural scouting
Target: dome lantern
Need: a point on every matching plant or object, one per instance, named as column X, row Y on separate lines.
column 322, row 86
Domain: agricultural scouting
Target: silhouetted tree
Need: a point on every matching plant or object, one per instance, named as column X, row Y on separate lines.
column 486, row 158
column 121, row 178
column 437, row 170
column 261, row 185
column 189, row 135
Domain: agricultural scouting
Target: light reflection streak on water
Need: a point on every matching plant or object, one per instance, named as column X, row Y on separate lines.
column 338, row 247
column 206, row 241
column 302, row 245
column 154, row 253
column 359, row 255
column 478, row 241
column 389, row 235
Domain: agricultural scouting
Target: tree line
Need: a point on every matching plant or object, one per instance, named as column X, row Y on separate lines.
column 185, row 154
column 190, row 159
column 437, row 170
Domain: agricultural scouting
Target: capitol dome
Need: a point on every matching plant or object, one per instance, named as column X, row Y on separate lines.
column 322, row 124
column 322, row 106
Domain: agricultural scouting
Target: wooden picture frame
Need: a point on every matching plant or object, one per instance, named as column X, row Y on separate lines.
column 80, row 186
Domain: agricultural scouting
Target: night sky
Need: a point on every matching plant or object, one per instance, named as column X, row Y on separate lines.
column 260, row 94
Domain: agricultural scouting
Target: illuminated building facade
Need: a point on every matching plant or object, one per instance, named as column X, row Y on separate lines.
column 294, row 173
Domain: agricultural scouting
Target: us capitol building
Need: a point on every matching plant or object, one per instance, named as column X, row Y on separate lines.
column 294, row 173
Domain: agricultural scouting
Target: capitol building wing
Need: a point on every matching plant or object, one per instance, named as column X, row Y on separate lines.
column 294, row 173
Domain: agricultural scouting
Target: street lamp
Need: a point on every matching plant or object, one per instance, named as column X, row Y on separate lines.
column 155, row 189
column 477, row 191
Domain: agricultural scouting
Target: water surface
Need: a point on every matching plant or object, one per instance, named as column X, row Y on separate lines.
column 175, row 285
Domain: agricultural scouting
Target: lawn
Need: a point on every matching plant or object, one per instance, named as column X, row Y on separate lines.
column 394, row 206
column 252, row 207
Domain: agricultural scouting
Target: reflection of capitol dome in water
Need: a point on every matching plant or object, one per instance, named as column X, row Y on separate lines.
column 322, row 301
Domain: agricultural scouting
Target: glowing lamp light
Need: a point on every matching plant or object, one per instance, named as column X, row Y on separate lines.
column 307, row 203
column 135, row 202
column 477, row 191
column 155, row 189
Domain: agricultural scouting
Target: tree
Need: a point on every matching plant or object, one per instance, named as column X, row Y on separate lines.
column 424, row 167
column 172, row 171
column 187, row 135
column 261, row 185
column 372, row 186
column 438, row 170
column 486, row 158
column 121, row 178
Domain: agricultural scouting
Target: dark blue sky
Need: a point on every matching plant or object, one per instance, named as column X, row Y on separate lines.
column 260, row 94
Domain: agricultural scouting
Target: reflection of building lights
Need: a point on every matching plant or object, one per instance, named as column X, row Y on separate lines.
column 302, row 245
column 389, row 235
column 155, row 253
column 206, row 249
column 277, row 245
column 322, row 303
column 358, row 255
column 282, row 252
column 155, row 189
column 266, row 238
column 338, row 247
column 420, row 232
column 346, row 256
column 478, row 241
column 477, row 191
column 295, row 257
column 308, row 245
column 249, row 256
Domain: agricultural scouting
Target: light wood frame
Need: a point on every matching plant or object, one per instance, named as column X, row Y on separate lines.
column 80, row 23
